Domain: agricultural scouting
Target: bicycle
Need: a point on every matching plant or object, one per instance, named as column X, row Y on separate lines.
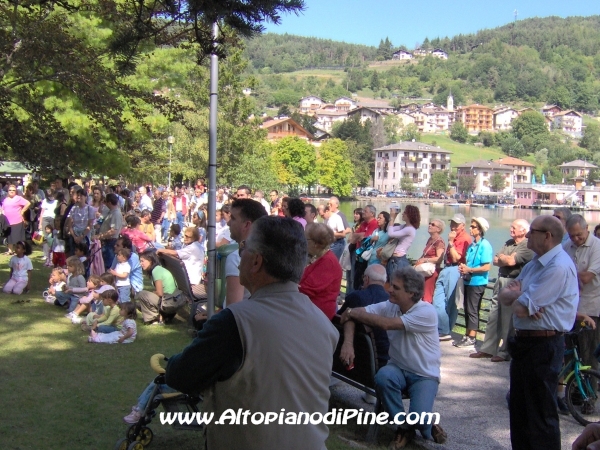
column 581, row 382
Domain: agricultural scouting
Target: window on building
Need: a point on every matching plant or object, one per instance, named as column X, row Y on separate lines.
column 394, row 164
column 393, row 174
column 424, row 176
column 394, row 154
column 379, row 175
column 387, row 155
column 486, row 174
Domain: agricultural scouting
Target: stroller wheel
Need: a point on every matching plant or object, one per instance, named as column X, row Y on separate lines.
column 144, row 436
column 122, row 444
column 135, row 446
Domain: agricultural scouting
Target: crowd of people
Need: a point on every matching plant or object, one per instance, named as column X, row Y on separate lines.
column 284, row 281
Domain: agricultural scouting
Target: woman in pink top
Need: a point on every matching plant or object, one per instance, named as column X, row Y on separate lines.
column 14, row 206
column 405, row 235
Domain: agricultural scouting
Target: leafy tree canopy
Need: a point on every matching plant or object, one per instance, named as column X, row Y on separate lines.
column 439, row 181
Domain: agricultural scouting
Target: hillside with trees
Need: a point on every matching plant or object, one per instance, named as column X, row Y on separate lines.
column 529, row 62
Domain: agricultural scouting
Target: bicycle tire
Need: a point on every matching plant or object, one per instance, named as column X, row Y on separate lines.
column 572, row 390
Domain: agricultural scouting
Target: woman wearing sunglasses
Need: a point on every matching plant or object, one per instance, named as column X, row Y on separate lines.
column 475, row 276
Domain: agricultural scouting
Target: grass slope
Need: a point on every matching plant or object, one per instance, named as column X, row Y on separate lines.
column 59, row 392
column 462, row 153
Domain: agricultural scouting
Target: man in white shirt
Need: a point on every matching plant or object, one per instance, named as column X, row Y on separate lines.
column 334, row 221
column 414, row 352
column 145, row 200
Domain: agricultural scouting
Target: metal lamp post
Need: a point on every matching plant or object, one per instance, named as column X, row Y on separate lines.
column 171, row 141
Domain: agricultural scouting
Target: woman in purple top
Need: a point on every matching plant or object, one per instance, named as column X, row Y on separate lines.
column 14, row 206
column 405, row 235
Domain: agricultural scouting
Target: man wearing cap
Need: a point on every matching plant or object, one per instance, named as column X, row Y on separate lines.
column 445, row 286
column 544, row 300
column 510, row 260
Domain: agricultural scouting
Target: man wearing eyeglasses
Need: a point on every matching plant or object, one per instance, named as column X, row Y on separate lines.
column 271, row 353
column 243, row 213
column 563, row 214
column 192, row 255
column 544, row 300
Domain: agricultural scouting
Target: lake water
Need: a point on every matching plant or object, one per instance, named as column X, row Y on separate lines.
column 498, row 218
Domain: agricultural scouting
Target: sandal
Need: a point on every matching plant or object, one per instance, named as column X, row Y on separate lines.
column 438, row 434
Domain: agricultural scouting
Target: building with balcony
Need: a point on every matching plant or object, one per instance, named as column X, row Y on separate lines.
column 475, row 118
column 280, row 128
column 345, row 104
column 414, row 160
column 576, row 169
column 522, row 170
column 569, row 122
column 326, row 118
column 310, row 104
column 503, row 117
column 431, row 119
column 483, row 171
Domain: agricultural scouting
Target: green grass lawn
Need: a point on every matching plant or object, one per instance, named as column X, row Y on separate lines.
column 59, row 392
column 462, row 153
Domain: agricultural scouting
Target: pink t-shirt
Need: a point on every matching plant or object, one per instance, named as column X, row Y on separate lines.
column 12, row 209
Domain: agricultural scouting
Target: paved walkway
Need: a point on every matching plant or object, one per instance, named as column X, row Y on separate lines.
column 471, row 402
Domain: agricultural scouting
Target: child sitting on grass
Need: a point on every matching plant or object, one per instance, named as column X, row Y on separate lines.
column 96, row 306
column 121, row 273
column 57, row 280
column 75, row 287
column 86, row 301
column 126, row 334
column 106, row 322
column 20, row 270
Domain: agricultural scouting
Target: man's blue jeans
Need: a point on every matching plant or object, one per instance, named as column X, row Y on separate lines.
column 395, row 263
column 180, row 219
column 108, row 252
column 338, row 247
column 443, row 299
column 391, row 380
column 166, row 224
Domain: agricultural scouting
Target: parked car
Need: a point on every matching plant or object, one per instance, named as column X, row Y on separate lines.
column 374, row 193
column 391, row 194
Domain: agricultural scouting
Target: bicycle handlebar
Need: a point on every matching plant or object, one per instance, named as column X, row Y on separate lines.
column 155, row 363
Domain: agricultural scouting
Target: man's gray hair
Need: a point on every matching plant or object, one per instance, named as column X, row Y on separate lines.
column 523, row 224
column 376, row 272
column 282, row 244
column 371, row 209
column 577, row 219
column 566, row 212
column 413, row 282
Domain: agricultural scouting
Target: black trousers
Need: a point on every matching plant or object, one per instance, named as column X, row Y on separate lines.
column 534, row 369
column 473, row 297
column 359, row 271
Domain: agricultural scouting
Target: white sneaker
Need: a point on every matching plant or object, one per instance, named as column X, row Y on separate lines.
column 133, row 417
column 76, row 320
column 69, row 315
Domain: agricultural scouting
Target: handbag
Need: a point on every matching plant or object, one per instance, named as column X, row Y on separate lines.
column 171, row 303
column 425, row 269
column 364, row 251
column 345, row 259
column 388, row 249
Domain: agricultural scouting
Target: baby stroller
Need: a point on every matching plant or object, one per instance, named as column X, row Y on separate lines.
column 138, row 435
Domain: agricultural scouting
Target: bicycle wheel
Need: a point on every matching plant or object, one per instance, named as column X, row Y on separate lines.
column 581, row 394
